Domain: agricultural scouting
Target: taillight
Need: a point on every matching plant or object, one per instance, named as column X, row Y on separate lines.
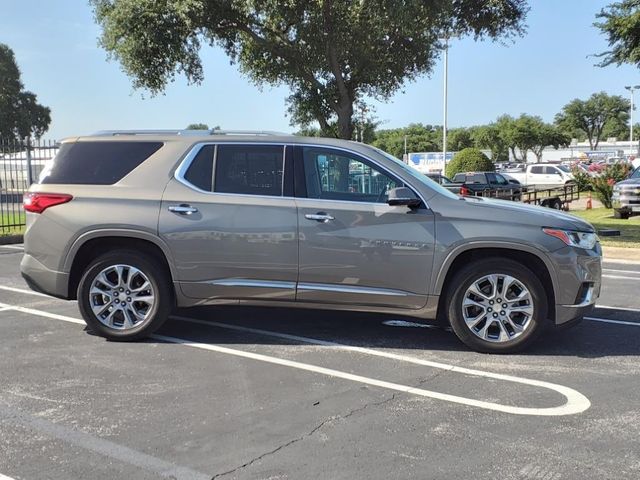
column 37, row 202
column 464, row 191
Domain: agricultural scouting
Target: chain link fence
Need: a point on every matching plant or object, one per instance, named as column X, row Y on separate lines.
column 20, row 165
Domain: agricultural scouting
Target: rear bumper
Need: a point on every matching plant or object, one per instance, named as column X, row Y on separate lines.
column 43, row 280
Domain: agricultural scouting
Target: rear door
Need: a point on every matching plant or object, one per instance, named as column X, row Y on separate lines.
column 229, row 218
column 354, row 248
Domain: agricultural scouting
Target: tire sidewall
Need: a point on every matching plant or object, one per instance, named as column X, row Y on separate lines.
column 463, row 280
column 160, row 310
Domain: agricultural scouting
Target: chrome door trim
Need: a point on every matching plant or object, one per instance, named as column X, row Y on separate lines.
column 242, row 282
column 326, row 287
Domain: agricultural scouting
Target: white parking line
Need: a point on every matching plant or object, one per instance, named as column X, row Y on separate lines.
column 635, row 272
column 620, row 277
column 4, row 477
column 626, row 309
column 576, row 402
column 22, row 290
column 617, row 322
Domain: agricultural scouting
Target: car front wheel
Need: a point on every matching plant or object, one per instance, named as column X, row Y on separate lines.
column 497, row 305
column 124, row 295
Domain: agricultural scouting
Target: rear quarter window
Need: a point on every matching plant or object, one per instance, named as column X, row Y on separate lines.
column 96, row 163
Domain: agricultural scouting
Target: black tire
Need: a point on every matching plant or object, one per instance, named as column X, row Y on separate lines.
column 556, row 204
column 469, row 274
column 157, row 277
column 620, row 214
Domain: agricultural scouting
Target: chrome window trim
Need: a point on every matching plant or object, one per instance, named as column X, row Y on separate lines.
column 186, row 162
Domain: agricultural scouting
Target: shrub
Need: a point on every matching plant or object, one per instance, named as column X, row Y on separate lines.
column 582, row 179
column 603, row 184
column 469, row 160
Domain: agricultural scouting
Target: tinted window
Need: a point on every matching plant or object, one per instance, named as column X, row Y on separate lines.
column 249, row 169
column 200, row 172
column 500, row 180
column 491, row 178
column 636, row 174
column 97, row 163
column 551, row 170
column 475, row 178
column 536, row 170
column 336, row 175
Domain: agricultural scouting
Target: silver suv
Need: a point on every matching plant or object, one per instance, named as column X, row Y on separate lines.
column 134, row 224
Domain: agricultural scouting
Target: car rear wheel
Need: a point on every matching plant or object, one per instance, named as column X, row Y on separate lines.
column 124, row 295
column 496, row 305
column 621, row 214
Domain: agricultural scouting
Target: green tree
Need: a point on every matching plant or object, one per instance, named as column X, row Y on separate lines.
column 620, row 22
column 420, row 138
column 591, row 116
column 489, row 137
column 197, row 126
column 459, row 139
column 530, row 133
column 469, row 160
column 331, row 53
column 21, row 116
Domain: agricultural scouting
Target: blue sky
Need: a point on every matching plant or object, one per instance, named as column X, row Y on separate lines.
column 55, row 43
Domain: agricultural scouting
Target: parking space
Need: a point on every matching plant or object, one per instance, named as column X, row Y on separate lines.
column 273, row 393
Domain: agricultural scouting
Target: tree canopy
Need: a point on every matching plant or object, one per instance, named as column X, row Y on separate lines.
column 21, row 116
column 594, row 115
column 620, row 22
column 331, row 53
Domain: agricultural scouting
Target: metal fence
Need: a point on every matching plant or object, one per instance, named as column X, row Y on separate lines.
column 20, row 165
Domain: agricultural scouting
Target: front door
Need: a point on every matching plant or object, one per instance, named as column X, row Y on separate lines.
column 355, row 248
column 231, row 225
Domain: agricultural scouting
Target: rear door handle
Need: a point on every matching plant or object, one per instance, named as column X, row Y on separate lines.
column 183, row 209
column 319, row 217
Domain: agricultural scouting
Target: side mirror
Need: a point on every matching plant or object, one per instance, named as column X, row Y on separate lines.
column 403, row 196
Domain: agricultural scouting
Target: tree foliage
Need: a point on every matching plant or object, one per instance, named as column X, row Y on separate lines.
column 530, row 133
column 331, row 53
column 593, row 115
column 469, row 160
column 420, row 138
column 21, row 116
column 620, row 22
column 197, row 126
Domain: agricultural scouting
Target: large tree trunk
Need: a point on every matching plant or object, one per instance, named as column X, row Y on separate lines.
column 345, row 123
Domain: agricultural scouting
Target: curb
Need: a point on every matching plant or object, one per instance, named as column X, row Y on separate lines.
column 621, row 253
column 10, row 239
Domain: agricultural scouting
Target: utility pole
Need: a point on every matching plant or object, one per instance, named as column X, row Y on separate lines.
column 444, row 124
column 632, row 89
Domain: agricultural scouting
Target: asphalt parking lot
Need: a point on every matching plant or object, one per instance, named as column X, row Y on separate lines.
column 290, row 394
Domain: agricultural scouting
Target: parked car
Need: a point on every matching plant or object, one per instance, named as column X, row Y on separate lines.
column 489, row 184
column 626, row 196
column 134, row 224
column 439, row 179
column 544, row 175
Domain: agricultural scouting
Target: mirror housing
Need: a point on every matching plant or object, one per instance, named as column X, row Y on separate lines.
column 403, row 196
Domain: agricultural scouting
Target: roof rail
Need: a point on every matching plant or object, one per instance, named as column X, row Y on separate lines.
column 113, row 133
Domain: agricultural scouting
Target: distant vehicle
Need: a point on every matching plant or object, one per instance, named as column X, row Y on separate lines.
column 544, row 175
column 439, row 179
column 489, row 184
column 626, row 196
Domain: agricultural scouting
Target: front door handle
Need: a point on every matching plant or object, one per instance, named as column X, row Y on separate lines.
column 183, row 209
column 319, row 217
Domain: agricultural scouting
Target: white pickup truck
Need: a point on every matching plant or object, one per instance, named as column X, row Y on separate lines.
column 543, row 175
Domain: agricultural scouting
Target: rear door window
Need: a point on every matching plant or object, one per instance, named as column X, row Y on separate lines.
column 200, row 172
column 96, row 163
column 537, row 170
column 249, row 169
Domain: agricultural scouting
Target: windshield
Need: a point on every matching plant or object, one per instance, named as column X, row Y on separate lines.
column 636, row 174
column 417, row 175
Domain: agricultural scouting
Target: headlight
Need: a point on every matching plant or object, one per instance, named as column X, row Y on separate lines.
column 584, row 240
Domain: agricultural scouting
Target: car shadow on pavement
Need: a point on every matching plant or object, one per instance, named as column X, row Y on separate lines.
column 588, row 339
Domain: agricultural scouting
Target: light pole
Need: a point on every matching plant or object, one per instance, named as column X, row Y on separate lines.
column 444, row 123
column 631, row 90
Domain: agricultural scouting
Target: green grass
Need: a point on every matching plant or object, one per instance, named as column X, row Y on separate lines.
column 603, row 218
column 11, row 218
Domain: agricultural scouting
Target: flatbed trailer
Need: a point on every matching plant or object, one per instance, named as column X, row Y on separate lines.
column 557, row 198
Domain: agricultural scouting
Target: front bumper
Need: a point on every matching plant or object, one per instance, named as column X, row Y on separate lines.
column 43, row 280
column 579, row 275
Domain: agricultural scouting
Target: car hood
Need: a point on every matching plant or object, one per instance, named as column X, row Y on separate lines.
column 532, row 214
column 629, row 181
